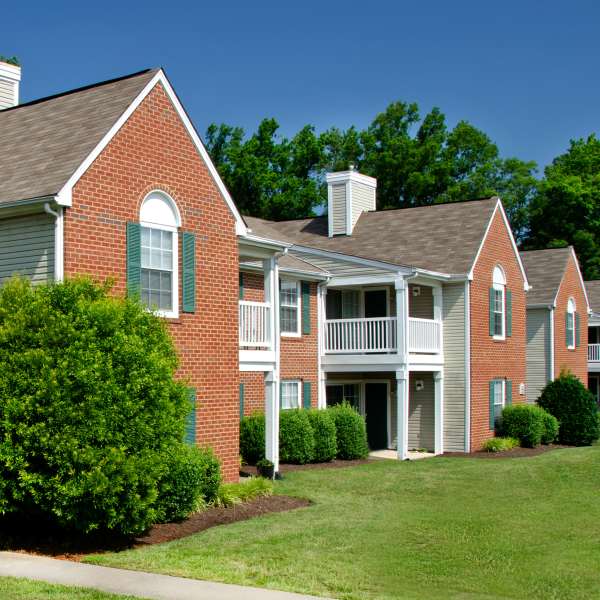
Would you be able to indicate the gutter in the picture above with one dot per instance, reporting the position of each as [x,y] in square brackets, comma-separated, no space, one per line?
[59,241]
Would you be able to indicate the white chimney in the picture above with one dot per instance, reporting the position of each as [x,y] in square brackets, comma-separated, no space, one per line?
[349,194]
[10,76]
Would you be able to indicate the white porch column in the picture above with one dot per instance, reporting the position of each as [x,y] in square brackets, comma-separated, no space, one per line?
[272,419]
[401,320]
[270,291]
[321,307]
[438,378]
[402,391]
[438,312]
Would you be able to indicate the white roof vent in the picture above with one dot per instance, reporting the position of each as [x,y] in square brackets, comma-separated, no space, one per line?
[349,194]
[10,76]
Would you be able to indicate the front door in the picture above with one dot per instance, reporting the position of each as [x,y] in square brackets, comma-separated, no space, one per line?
[376,415]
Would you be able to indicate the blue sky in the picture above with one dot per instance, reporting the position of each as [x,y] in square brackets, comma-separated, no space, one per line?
[525,72]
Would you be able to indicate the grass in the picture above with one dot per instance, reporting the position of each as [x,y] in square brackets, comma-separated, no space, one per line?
[12,588]
[437,528]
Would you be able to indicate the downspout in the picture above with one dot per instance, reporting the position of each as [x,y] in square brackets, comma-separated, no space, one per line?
[467,367]
[551,370]
[58,240]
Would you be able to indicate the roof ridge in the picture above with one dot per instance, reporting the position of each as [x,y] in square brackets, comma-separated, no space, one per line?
[79,89]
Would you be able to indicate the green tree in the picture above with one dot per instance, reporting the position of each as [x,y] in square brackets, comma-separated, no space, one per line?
[566,209]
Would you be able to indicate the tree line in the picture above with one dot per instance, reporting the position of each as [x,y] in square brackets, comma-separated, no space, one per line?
[417,161]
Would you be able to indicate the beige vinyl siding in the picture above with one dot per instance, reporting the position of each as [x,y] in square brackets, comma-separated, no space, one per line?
[7,93]
[363,199]
[538,351]
[454,367]
[420,307]
[421,412]
[27,248]
[338,208]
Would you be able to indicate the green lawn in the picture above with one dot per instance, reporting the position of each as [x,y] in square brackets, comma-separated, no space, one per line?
[12,588]
[437,528]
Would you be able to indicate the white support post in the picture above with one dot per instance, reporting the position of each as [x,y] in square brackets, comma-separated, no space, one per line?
[272,419]
[321,298]
[402,320]
[438,378]
[402,391]
[438,300]
[270,291]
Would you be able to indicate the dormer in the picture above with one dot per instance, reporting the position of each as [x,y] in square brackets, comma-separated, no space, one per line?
[349,194]
[10,76]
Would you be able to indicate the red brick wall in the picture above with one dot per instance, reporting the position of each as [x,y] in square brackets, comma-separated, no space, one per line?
[573,360]
[153,151]
[299,355]
[492,359]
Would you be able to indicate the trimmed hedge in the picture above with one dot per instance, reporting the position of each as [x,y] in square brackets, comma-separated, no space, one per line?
[323,428]
[524,422]
[500,444]
[89,407]
[551,428]
[575,408]
[351,432]
[296,437]
[252,438]
[192,480]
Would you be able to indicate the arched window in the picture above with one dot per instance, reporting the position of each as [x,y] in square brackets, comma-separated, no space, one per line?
[498,304]
[159,220]
[570,324]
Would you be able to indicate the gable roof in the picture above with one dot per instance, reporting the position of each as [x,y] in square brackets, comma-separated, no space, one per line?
[545,271]
[593,292]
[43,142]
[443,238]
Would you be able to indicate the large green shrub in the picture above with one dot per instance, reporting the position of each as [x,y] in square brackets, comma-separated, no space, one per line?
[551,428]
[296,437]
[325,436]
[575,408]
[524,422]
[88,406]
[252,438]
[192,480]
[351,432]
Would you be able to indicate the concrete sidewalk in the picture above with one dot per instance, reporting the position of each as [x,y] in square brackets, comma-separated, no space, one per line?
[132,583]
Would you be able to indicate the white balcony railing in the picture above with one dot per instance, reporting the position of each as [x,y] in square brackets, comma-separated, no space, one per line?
[378,335]
[594,352]
[254,324]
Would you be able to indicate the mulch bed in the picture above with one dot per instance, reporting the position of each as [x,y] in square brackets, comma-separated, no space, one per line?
[514,453]
[38,538]
[250,471]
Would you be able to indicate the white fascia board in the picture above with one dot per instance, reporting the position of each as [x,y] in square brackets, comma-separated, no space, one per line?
[538,306]
[260,242]
[65,198]
[297,273]
[499,206]
[7,206]
[343,176]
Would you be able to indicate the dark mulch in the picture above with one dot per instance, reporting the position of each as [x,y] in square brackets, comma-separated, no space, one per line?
[250,470]
[41,538]
[514,453]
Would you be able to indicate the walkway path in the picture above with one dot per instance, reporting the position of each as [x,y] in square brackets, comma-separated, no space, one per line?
[132,583]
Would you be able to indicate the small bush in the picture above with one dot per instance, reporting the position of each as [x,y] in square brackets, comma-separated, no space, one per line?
[500,444]
[524,422]
[325,436]
[351,432]
[296,437]
[192,480]
[551,428]
[575,408]
[252,438]
[235,493]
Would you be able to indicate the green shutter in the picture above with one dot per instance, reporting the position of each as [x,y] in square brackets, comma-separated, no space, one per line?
[305,307]
[508,313]
[306,394]
[567,329]
[134,259]
[577,331]
[280,395]
[492,420]
[241,286]
[188,260]
[491,311]
[241,400]
[508,390]
[190,425]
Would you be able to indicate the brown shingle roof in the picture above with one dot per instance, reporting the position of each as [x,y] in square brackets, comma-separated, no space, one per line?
[593,292]
[442,237]
[545,270]
[43,142]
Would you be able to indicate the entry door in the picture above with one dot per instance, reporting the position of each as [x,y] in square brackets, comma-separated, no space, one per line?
[376,410]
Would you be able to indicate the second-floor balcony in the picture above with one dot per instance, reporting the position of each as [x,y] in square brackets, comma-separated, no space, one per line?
[255,332]
[594,353]
[378,335]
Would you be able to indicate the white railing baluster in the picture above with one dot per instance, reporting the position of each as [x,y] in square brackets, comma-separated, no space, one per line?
[254,324]
[594,352]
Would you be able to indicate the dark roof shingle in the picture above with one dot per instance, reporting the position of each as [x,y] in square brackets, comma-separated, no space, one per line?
[545,270]
[43,142]
[442,237]
[593,293]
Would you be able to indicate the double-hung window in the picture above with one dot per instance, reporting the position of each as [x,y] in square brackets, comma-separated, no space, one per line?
[498,308]
[499,396]
[291,394]
[157,269]
[570,324]
[289,307]
[343,392]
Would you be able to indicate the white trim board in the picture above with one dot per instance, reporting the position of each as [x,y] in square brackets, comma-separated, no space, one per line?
[65,195]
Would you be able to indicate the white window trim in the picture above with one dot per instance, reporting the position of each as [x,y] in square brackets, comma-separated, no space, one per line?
[500,287]
[298,384]
[174,313]
[298,332]
[571,310]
